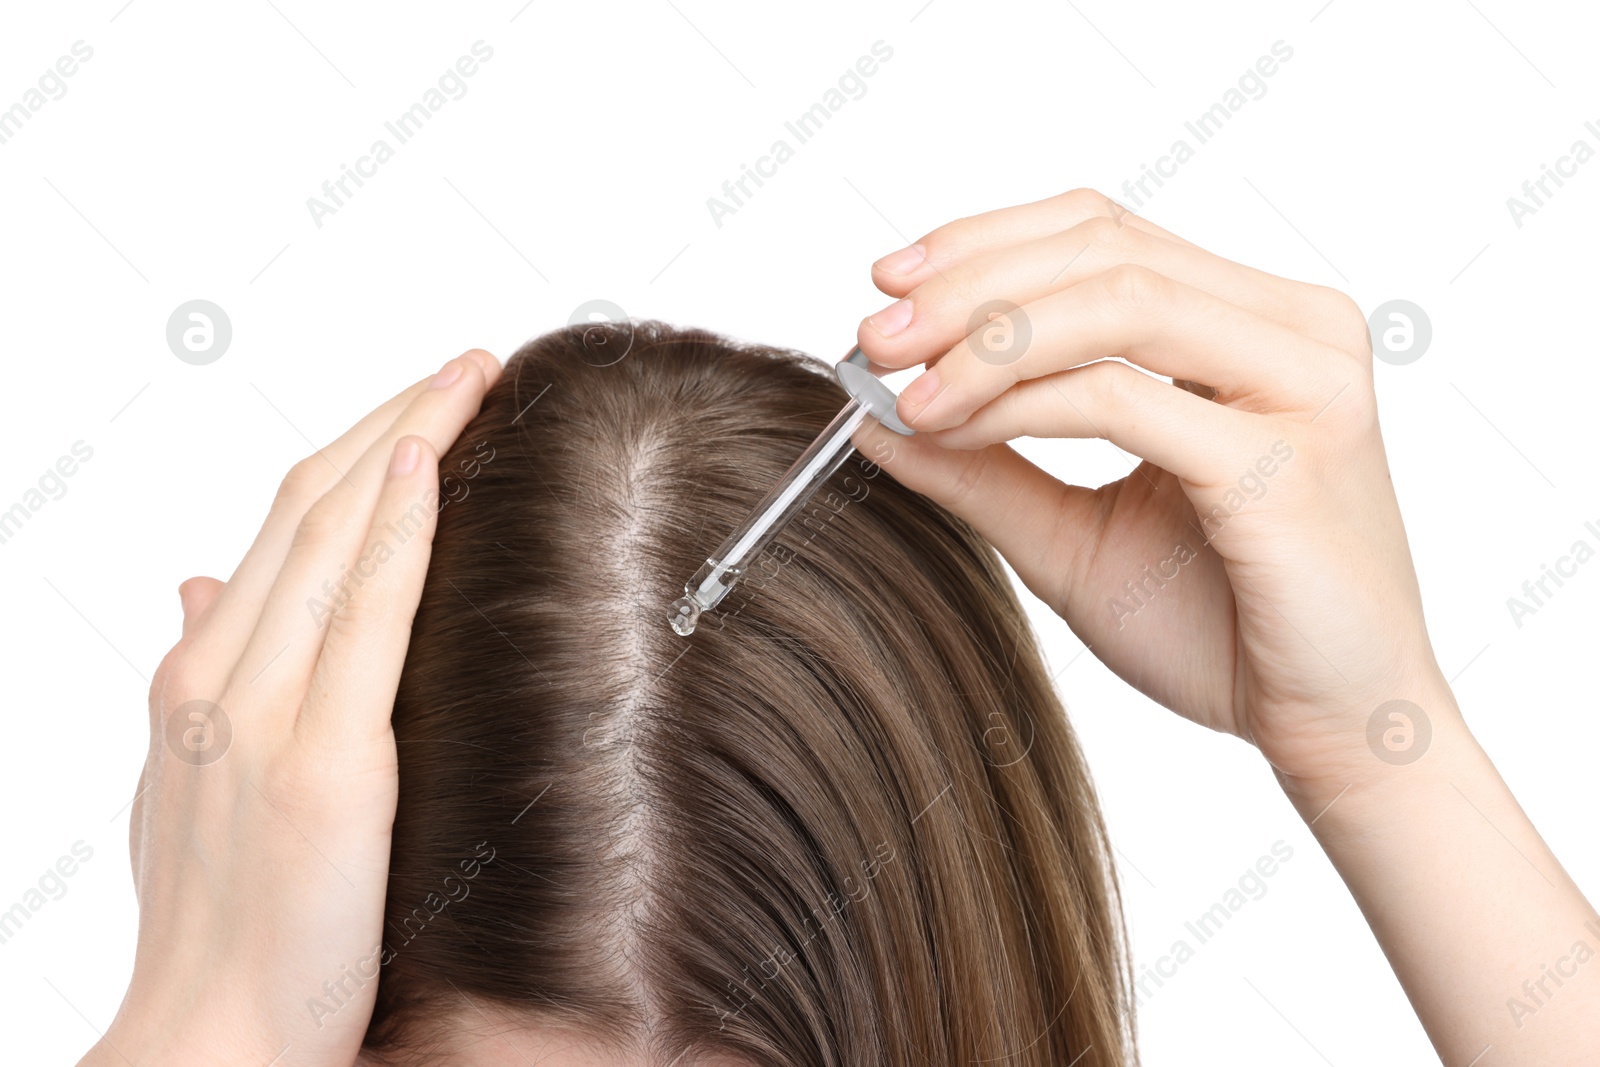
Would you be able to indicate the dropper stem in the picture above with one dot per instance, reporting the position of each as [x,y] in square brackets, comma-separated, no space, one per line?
[751,538]
[814,467]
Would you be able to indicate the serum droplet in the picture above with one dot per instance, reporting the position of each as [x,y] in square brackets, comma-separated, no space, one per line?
[684,614]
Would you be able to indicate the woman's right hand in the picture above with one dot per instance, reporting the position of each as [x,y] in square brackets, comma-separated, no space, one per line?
[1252,573]
[260,832]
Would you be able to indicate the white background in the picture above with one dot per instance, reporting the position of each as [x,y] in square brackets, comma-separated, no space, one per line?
[577,166]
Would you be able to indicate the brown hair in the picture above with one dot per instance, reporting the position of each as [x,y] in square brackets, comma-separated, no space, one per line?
[846,822]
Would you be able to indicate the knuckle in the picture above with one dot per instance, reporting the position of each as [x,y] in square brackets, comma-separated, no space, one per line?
[188,672]
[370,594]
[950,241]
[1346,321]
[1112,241]
[968,278]
[1132,287]
[301,486]
[179,677]
[967,235]
[1102,230]
[1107,384]
[1086,202]
[322,525]
[935,243]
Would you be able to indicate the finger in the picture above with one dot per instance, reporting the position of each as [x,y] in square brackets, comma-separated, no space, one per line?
[197,595]
[355,679]
[1176,430]
[316,578]
[1129,311]
[224,633]
[1037,522]
[939,311]
[950,244]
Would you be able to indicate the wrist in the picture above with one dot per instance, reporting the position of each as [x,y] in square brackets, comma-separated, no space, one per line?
[1403,755]
[121,1049]
[113,1050]
[176,1035]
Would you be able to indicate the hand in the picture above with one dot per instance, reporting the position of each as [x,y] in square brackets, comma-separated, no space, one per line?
[1252,572]
[260,836]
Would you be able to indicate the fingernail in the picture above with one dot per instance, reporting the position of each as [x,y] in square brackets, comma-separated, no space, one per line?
[892,319]
[447,374]
[904,261]
[923,388]
[405,457]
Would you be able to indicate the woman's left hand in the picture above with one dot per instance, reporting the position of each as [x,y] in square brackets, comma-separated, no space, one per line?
[260,830]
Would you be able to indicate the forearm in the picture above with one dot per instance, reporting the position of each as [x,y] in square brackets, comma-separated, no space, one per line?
[1492,941]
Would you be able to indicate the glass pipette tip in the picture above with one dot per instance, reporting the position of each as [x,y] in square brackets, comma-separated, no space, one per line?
[869,398]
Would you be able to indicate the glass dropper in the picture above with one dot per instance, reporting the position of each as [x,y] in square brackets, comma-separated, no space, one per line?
[869,398]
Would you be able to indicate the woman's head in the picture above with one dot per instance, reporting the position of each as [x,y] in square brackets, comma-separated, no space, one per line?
[844,823]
